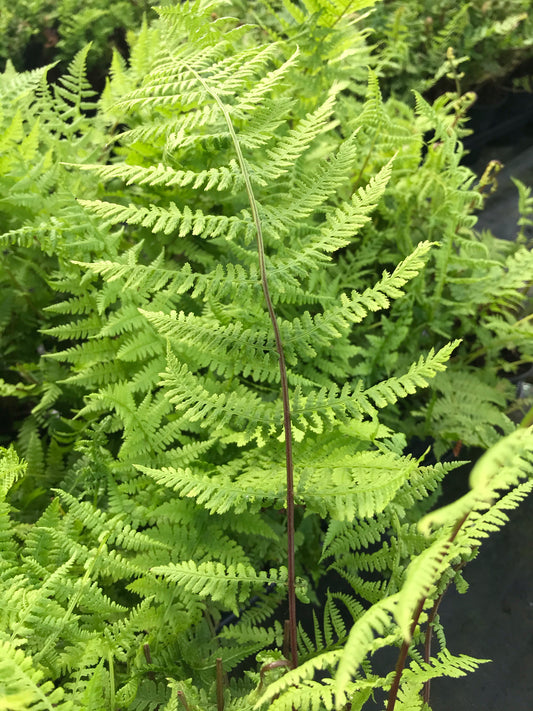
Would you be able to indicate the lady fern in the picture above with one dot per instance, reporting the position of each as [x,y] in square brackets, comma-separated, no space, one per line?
[157,424]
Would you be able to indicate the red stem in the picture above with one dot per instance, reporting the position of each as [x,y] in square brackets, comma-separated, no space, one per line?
[287,428]
[181,697]
[404,649]
[220,685]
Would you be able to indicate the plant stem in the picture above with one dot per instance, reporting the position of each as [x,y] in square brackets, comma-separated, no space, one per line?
[148,657]
[181,697]
[367,158]
[342,13]
[220,685]
[287,428]
[268,667]
[112,691]
[404,649]
[427,644]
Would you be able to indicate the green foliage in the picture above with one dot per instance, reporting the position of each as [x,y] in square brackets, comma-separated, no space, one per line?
[36,32]
[142,523]
[488,39]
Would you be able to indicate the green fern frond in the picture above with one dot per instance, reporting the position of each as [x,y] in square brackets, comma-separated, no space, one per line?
[229,585]
[230,345]
[525,209]
[354,307]
[479,525]
[218,493]
[14,85]
[453,29]
[342,224]
[453,411]
[11,470]
[371,632]
[294,677]
[169,220]
[308,696]
[502,467]
[23,686]
[73,89]
[444,664]
[422,576]
[287,151]
[206,402]
[113,529]
[344,536]
[361,485]
[418,376]
[331,11]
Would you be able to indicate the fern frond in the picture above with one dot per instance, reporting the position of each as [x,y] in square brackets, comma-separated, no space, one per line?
[331,11]
[422,576]
[168,220]
[294,677]
[286,152]
[372,631]
[453,412]
[344,536]
[223,178]
[15,84]
[229,345]
[114,529]
[218,493]
[11,469]
[417,674]
[229,585]
[356,306]
[73,90]
[418,376]
[23,686]
[206,402]
[502,467]
[479,525]
[362,485]
[525,209]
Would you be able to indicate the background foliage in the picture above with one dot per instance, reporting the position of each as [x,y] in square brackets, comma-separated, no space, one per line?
[489,38]
[37,32]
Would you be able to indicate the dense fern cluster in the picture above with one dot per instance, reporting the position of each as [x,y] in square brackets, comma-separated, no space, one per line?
[489,40]
[142,528]
[33,32]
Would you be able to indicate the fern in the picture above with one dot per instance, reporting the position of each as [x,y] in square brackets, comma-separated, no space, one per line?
[153,420]
[525,208]
[492,39]
[25,689]
[229,585]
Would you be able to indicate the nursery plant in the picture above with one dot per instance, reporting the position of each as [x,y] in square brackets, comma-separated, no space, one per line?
[490,39]
[34,32]
[239,283]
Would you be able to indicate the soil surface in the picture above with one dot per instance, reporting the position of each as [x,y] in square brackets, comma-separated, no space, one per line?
[494,619]
[515,152]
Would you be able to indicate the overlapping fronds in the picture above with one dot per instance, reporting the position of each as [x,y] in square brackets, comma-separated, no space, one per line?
[153,438]
[23,685]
